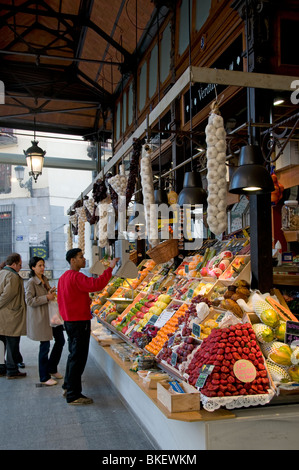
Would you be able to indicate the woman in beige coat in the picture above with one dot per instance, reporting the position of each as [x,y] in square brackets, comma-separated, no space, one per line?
[12,313]
[38,294]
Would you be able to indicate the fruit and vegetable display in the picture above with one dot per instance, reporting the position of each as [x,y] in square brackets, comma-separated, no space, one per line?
[282,359]
[225,349]
[224,339]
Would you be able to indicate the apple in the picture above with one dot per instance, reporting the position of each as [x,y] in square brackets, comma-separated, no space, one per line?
[204,271]
[223,265]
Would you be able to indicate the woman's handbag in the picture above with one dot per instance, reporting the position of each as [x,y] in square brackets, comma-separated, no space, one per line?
[54,315]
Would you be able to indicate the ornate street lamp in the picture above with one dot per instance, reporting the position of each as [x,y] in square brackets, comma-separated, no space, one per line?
[35,159]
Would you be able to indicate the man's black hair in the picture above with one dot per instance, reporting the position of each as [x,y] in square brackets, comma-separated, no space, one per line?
[72,254]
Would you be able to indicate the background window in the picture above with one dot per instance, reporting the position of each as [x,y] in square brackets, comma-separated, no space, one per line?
[142,86]
[202,12]
[153,71]
[165,53]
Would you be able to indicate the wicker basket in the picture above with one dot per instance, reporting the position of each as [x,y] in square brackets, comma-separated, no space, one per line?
[134,256]
[164,251]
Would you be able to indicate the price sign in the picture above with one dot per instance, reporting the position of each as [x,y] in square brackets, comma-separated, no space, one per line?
[174,358]
[292,331]
[130,327]
[196,330]
[152,320]
[220,317]
[204,372]
[164,317]
[244,370]
[190,293]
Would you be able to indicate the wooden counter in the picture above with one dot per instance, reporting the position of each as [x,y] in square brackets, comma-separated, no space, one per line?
[190,416]
[253,428]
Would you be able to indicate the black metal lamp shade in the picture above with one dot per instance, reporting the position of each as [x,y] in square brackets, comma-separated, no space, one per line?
[192,192]
[160,196]
[251,177]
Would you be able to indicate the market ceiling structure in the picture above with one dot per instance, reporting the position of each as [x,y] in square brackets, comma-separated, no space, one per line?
[62,61]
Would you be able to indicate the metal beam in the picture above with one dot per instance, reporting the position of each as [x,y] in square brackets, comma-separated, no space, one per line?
[51,162]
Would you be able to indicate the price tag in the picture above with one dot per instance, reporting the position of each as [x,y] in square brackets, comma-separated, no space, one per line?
[196,330]
[190,293]
[174,358]
[170,290]
[204,372]
[171,341]
[152,320]
[130,327]
[220,317]
[186,267]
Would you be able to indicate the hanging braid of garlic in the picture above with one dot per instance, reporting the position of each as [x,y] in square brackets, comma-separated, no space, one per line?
[81,227]
[119,185]
[74,222]
[216,175]
[147,185]
[103,207]
[69,242]
[89,206]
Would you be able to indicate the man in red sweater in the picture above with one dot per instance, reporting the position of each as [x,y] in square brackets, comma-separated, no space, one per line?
[74,307]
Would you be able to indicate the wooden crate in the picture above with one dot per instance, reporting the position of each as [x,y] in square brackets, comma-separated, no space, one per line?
[176,402]
[245,274]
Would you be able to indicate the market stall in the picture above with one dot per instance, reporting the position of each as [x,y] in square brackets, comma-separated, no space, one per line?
[195,347]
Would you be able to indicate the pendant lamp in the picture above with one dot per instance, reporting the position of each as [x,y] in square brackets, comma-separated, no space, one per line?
[251,177]
[35,159]
[160,196]
[192,192]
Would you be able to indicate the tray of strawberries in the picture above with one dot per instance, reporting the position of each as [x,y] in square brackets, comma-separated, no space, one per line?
[229,369]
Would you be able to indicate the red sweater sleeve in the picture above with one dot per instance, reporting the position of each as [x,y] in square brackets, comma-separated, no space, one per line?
[93,284]
[73,293]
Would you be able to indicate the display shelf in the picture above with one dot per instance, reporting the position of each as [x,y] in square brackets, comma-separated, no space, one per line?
[284,279]
[118,333]
[189,416]
[240,429]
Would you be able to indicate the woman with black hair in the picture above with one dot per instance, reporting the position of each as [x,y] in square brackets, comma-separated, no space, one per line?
[38,295]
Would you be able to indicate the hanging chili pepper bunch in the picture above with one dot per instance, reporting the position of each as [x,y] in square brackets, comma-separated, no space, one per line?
[99,191]
[133,171]
[277,194]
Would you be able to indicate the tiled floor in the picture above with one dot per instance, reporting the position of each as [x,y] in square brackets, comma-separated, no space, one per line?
[38,418]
